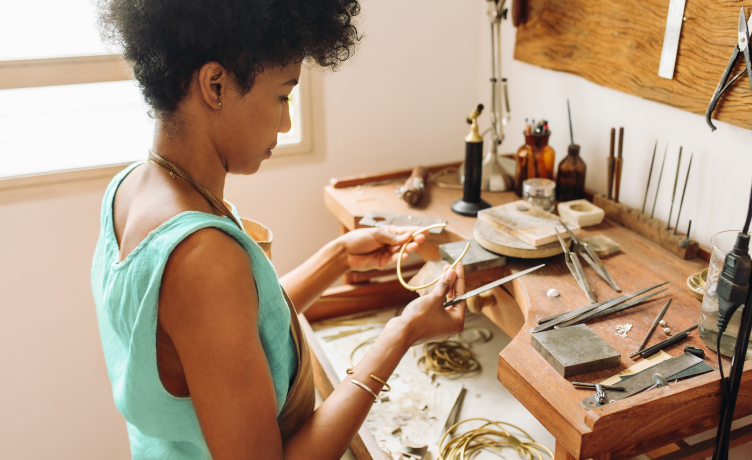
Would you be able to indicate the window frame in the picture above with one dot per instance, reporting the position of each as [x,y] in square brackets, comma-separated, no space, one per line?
[32,73]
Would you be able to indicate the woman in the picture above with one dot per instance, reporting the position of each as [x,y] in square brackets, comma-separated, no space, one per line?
[202,344]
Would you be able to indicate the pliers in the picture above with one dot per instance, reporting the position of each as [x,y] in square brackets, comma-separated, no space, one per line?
[742,47]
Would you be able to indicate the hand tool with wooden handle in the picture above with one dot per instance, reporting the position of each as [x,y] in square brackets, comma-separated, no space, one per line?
[617,168]
[610,176]
[414,187]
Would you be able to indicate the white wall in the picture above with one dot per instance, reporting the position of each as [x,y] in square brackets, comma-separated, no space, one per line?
[396,105]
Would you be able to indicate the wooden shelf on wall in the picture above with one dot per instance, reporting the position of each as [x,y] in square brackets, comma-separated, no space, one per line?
[617,44]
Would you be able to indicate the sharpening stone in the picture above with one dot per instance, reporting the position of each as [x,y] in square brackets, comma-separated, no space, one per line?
[575,350]
[475,260]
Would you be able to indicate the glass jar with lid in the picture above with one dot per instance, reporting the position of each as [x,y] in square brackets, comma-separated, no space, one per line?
[540,193]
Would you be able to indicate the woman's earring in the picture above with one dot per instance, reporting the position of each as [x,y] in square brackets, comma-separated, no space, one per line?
[219,104]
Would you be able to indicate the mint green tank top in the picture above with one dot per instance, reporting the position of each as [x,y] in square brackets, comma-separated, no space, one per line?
[162,426]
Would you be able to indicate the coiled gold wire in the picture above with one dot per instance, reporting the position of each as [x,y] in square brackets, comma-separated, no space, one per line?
[491,436]
[447,359]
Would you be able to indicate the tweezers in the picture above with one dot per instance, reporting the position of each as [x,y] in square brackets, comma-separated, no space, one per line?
[573,262]
[592,259]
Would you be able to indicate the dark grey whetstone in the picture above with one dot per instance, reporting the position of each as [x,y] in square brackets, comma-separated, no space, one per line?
[475,260]
[575,350]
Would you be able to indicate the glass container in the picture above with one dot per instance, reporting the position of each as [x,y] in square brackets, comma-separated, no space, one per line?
[570,178]
[534,159]
[722,243]
[540,193]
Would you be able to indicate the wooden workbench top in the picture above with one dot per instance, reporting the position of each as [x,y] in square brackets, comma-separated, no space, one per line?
[622,429]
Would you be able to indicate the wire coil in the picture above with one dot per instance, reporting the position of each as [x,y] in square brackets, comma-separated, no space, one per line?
[491,436]
[447,359]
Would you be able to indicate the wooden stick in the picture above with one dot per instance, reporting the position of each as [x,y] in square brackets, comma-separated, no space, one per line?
[619,160]
[610,176]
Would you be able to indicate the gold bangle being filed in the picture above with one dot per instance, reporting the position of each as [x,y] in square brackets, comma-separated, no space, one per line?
[388,387]
[402,251]
[365,387]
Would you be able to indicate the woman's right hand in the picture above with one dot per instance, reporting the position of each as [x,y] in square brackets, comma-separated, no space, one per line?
[426,319]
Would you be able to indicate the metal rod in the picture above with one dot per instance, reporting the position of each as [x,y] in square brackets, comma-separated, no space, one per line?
[685,241]
[588,316]
[648,352]
[673,195]
[658,188]
[592,385]
[657,319]
[579,310]
[681,203]
[630,304]
[647,189]
[592,310]
[571,133]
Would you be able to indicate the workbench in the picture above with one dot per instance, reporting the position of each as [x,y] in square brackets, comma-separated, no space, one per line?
[642,423]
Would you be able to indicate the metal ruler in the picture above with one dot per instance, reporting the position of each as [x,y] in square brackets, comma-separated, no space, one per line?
[671,38]
[644,379]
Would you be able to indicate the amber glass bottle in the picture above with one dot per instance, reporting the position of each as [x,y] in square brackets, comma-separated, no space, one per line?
[534,159]
[570,179]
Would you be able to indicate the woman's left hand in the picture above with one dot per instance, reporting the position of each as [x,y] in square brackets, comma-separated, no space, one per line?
[375,248]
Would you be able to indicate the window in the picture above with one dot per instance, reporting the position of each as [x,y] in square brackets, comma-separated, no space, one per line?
[66,104]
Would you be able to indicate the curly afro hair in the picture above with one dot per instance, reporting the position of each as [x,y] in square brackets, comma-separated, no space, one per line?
[166,41]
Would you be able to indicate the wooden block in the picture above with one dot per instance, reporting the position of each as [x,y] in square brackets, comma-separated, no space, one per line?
[526,222]
[575,350]
[476,259]
[581,212]
[495,240]
[602,245]
[648,227]
[594,39]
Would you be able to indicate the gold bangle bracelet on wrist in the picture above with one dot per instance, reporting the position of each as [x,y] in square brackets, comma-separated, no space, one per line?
[387,388]
[365,387]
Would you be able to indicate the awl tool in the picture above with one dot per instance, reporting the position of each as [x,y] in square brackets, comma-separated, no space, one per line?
[655,323]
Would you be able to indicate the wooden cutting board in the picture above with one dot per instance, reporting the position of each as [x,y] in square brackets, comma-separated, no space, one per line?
[526,222]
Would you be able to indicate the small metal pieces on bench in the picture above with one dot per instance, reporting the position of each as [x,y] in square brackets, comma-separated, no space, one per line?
[575,350]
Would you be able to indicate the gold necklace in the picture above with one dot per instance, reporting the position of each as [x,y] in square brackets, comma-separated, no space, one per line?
[177,171]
